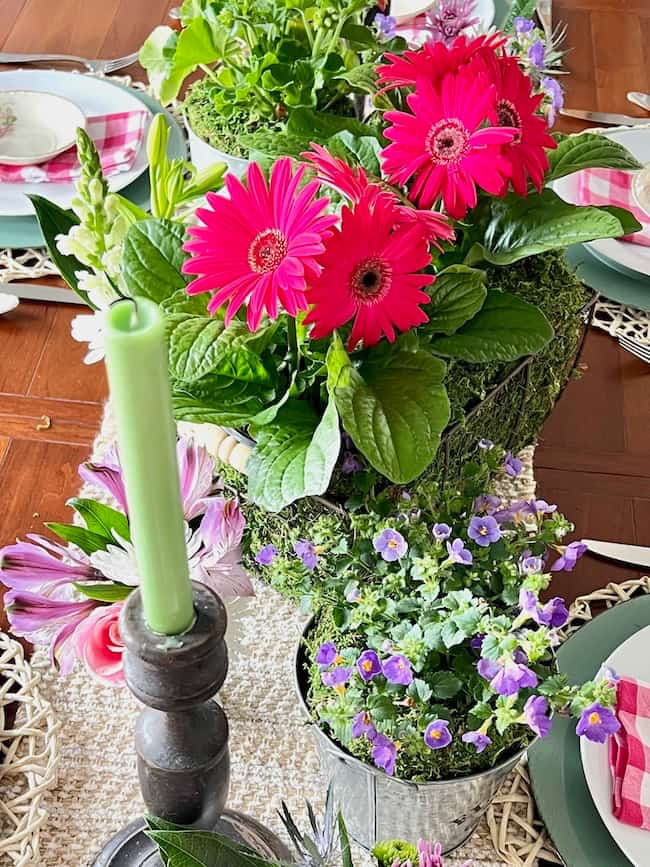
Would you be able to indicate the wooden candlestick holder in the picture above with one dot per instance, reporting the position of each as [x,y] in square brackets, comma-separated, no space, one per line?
[181,736]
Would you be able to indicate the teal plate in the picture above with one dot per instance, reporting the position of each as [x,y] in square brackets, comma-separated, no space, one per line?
[556,773]
[608,282]
[24,231]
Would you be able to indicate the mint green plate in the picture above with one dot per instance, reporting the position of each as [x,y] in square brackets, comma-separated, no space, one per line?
[16,232]
[609,282]
[556,773]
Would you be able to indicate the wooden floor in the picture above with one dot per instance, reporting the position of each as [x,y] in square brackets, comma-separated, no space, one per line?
[594,455]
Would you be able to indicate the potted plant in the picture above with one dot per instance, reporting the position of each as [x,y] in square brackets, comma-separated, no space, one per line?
[273,72]
[428,668]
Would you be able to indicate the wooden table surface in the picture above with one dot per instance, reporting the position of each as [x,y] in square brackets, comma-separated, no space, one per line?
[593,458]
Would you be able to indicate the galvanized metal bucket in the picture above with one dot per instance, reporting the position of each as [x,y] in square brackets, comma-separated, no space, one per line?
[377,807]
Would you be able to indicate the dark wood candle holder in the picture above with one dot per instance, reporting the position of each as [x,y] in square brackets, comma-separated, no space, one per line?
[181,736]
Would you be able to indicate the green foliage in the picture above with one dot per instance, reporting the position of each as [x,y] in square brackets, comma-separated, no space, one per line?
[585,151]
[395,850]
[53,221]
[457,295]
[101,519]
[152,259]
[105,591]
[88,541]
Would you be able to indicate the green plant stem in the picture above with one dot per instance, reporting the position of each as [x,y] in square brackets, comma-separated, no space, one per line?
[308,31]
[209,72]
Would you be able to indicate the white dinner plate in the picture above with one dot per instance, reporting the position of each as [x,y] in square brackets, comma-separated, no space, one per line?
[40,126]
[631,659]
[617,254]
[94,97]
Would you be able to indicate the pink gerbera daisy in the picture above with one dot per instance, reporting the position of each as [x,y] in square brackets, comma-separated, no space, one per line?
[260,245]
[370,273]
[443,144]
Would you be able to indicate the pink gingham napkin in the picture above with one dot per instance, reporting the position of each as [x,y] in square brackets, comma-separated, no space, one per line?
[629,755]
[612,187]
[118,138]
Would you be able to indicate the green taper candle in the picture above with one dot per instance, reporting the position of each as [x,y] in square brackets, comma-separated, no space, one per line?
[136,361]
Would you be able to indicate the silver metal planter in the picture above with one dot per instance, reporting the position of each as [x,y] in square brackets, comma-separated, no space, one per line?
[377,807]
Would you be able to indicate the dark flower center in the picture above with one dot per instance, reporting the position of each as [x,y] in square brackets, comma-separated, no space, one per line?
[508,115]
[267,251]
[447,141]
[371,280]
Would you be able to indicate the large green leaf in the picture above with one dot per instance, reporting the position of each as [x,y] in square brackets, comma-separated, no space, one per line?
[517,227]
[196,45]
[101,519]
[86,540]
[588,150]
[357,150]
[54,221]
[203,849]
[320,126]
[294,456]
[394,406]
[505,328]
[456,296]
[153,256]
[218,400]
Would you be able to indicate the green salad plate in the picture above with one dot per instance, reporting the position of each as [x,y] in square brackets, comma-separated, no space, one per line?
[610,283]
[559,785]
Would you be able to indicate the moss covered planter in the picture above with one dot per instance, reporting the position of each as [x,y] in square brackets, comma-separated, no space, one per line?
[377,807]
[203,155]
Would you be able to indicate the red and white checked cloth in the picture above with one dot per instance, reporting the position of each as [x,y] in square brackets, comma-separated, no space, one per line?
[118,138]
[629,755]
[612,187]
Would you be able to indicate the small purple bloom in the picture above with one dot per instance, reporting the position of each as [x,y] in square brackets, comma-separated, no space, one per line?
[597,723]
[608,674]
[486,503]
[266,555]
[437,734]
[441,532]
[523,25]
[369,665]
[528,602]
[108,475]
[541,507]
[307,553]
[554,613]
[486,445]
[536,54]
[362,725]
[477,642]
[478,739]
[337,677]
[390,544]
[569,556]
[536,715]
[384,753]
[515,513]
[512,465]
[397,669]
[458,553]
[484,530]
[531,565]
[326,655]
[386,25]
[555,93]
[350,464]
[507,678]
[353,595]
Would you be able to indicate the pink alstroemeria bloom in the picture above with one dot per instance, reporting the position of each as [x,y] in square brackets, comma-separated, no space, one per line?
[44,620]
[107,473]
[221,532]
[28,566]
[99,645]
[196,471]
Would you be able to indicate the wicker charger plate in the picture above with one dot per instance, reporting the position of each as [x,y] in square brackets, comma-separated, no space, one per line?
[28,756]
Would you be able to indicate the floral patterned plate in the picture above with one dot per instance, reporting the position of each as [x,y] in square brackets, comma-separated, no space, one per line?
[36,126]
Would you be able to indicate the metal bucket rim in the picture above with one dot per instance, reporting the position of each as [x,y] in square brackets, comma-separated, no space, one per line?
[505,765]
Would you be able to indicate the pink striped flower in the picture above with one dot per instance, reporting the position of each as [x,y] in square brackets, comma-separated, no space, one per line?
[41,565]
[99,645]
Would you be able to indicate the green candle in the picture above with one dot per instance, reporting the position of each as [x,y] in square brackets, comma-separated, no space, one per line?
[136,360]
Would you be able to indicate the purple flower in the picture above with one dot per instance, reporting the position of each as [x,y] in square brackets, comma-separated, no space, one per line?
[597,723]
[530,565]
[386,25]
[477,642]
[219,562]
[515,513]
[512,465]
[369,665]
[458,553]
[507,678]
[478,739]
[569,556]
[449,18]
[536,715]
[107,473]
[541,507]
[486,445]
[536,54]
[608,674]
[554,613]
[337,677]
[484,530]
[196,473]
[384,753]
[350,464]
[437,734]
[528,602]
[523,25]
[441,532]
[486,503]
[353,595]
[307,553]
[362,725]
[390,544]
[326,654]
[555,93]
[27,566]
[266,555]
[397,669]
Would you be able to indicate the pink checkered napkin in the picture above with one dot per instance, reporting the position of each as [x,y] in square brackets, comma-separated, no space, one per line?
[612,187]
[629,755]
[118,138]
